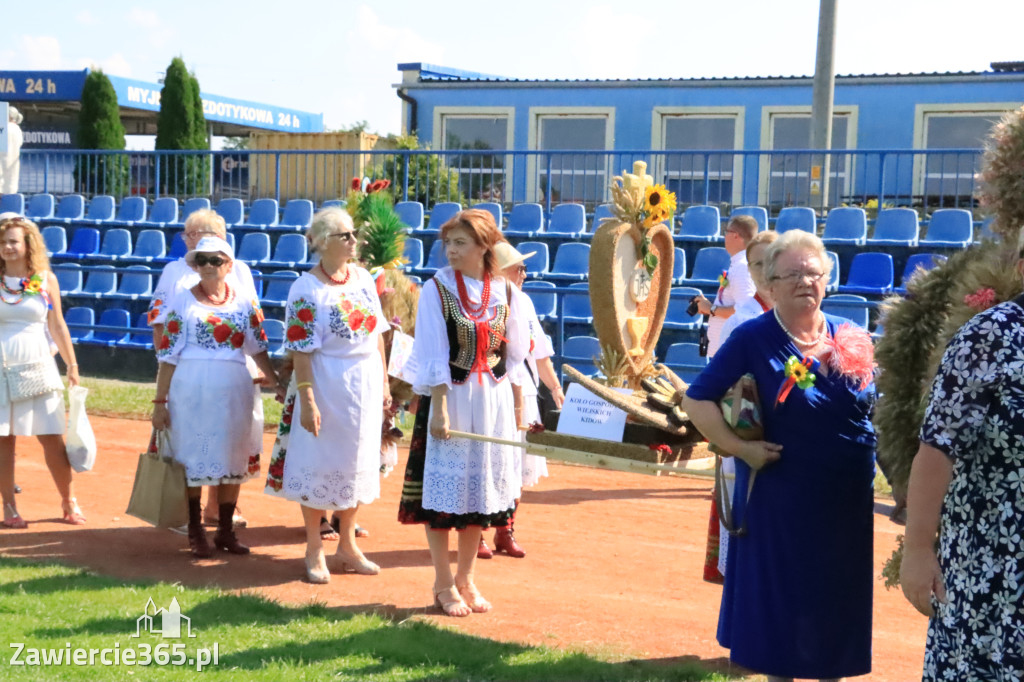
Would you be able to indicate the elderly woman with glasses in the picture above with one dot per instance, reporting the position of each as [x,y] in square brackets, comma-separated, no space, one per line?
[179,276]
[339,388]
[798,582]
[204,391]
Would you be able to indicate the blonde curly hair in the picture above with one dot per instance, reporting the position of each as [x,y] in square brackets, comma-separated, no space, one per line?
[35,248]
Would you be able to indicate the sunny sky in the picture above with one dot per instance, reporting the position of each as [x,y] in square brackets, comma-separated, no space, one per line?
[339,57]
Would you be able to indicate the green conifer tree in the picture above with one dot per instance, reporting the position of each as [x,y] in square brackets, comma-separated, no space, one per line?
[99,127]
[176,129]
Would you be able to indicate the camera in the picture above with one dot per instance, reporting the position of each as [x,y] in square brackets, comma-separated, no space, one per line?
[692,309]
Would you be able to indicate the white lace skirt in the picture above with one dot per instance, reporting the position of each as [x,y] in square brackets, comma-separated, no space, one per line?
[462,476]
[213,422]
[533,467]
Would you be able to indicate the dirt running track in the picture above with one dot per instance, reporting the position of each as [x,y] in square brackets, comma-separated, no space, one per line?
[613,566]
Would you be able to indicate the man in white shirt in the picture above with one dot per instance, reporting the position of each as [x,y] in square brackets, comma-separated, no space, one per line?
[10,163]
[737,286]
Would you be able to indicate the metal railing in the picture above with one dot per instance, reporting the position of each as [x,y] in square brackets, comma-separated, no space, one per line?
[924,179]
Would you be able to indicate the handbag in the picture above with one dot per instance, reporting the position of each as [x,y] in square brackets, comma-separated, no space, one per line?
[81,441]
[29,379]
[741,408]
[160,492]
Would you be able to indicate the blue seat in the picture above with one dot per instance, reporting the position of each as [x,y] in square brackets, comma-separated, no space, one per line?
[274,329]
[85,243]
[572,262]
[40,207]
[415,279]
[984,230]
[190,206]
[55,238]
[231,210]
[136,283]
[924,261]
[852,307]
[701,224]
[150,246]
[436,259]
[100,282]
[178,248]
[758,213]
[111,317]
[13,203]
[334,203]
[601,212]
[230,239]
[833,275]
[567,220]
[255,248]
[262,214]
[141,334]
[870,274]
[580,351]
[131,212]
[80,321]
[413,253]
[576,307]
[257,280]
[101,210]
[845,225]
[442,213]
[686,359]
[69,278]
[537,264]
[278,284]
[163,213]
[679,266]
[117,243]
[525,220]
[410,213]
[676,317]
[289,251]
[492,208]
[796,218]
[298,215]
[70,208]
[710,262]
[545,301]
[949,228]
[895,227]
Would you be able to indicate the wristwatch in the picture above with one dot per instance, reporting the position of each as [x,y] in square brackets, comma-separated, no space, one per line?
[713,309]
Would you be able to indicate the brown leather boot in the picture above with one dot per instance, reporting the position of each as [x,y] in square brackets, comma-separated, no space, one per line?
[483,551]
[225,538]
[197,541]
[505,541]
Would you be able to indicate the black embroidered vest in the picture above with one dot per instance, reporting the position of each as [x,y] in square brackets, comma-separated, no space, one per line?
[462,339]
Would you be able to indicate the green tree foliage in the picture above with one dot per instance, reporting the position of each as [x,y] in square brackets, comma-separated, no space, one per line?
[182,126]
[429,179]
[99,127]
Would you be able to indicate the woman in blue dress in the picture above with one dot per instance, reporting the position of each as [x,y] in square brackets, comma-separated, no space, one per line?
[798,583]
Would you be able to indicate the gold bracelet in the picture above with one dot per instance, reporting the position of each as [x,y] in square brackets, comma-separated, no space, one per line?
[302,384]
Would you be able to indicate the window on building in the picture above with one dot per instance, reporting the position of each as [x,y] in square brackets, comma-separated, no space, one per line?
[696,177]
[580,178]
[790,181]
[949,178]
[482,176]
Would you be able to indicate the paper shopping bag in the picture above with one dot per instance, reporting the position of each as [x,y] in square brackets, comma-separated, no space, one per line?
[160,494]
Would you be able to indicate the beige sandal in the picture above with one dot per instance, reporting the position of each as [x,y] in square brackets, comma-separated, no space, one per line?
[449,601]
[474,600]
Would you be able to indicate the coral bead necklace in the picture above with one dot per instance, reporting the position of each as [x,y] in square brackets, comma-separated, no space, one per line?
[343,280]
[479,312]
[215,301]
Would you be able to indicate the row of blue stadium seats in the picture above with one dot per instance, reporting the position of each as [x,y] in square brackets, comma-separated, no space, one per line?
[683,358]
[150,246]
[71,210]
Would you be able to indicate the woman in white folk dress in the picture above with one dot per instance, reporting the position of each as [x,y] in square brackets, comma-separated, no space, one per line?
[204,390]
[29,306]
[334,330]
[538,368]
[470,339]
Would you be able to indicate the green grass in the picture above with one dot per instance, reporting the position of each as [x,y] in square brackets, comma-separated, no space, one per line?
[46,606]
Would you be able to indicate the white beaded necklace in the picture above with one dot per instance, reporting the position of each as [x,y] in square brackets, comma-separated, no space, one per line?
[800,342]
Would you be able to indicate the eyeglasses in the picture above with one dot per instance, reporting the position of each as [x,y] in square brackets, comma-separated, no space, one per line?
[800,277]
[347,236]
[215,261]
[521,269]
[755,264]
[200,233]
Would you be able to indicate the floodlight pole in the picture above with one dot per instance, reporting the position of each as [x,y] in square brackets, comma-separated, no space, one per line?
[821,100]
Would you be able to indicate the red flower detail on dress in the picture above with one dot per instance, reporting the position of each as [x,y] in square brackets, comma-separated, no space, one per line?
[346,305]
[296,332]
[254,464]
[237,339]
[982,299]
[173,327]
[213,319]
[221,333]
[370,324]
[165,342]
[154,311]
[355,320]
[304,314]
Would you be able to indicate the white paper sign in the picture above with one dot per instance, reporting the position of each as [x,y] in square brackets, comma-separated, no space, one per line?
[402,363]
[586,415]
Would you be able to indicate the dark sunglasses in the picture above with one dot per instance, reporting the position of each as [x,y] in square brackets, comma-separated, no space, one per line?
[215,261]
[347,236]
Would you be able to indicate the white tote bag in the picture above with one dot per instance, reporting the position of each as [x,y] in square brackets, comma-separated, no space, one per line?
[81,442]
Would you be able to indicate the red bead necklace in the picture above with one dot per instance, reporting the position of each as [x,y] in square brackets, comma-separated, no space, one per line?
[214,301]
[474,313]
[343,280]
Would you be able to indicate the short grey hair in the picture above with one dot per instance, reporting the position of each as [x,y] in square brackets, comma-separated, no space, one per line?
[13,115]
[795,240]
[209,219]
[324,222]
